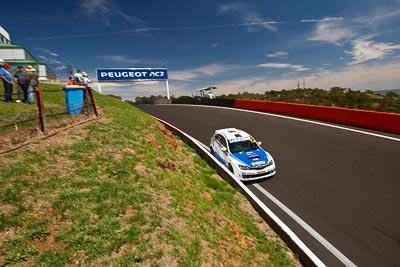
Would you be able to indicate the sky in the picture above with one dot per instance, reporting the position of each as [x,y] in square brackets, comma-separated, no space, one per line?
[237,46]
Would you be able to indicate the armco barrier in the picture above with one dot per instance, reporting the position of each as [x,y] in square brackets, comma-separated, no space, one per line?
[306,256]
[381,121]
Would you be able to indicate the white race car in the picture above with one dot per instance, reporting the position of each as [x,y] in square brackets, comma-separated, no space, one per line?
[241,154]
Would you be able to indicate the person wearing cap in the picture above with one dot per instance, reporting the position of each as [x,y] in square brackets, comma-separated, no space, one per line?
[86,79]
[32,81]
[20,80]
[7,81]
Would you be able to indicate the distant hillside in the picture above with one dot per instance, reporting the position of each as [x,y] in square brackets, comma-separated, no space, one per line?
[383,92]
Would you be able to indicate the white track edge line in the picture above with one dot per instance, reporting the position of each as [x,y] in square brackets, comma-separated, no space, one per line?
[299,119]
[269,212]
[303,224]
[306,227]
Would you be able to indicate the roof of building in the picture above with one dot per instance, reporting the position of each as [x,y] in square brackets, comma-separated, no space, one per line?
[4,45]
[29,60]
[207,88]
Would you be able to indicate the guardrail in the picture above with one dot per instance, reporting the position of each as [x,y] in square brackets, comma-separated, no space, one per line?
[306,256]
[374,120]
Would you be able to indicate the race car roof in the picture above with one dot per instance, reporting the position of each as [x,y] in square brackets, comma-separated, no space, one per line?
[233,133]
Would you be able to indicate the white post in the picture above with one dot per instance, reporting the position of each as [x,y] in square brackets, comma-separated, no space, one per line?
[99,85]
[166,83]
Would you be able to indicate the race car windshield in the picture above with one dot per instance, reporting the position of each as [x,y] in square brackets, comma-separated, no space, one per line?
[243,146]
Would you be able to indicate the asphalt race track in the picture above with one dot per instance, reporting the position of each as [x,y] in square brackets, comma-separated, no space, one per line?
[345,185]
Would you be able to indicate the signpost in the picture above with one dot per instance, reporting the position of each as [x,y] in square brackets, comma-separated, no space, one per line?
[132,75]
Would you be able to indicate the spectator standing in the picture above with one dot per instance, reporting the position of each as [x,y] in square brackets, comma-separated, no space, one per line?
[86,79]
[7,81]
[78,78]
[20,80]
[32,81]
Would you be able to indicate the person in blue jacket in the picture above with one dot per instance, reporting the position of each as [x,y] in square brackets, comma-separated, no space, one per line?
[7,81]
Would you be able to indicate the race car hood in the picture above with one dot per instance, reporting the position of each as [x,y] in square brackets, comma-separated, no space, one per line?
[252,158]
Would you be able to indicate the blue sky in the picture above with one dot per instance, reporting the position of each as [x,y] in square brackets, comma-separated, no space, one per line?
[236,45]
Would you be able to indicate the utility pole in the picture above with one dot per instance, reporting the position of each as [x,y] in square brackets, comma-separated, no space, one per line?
[304,83]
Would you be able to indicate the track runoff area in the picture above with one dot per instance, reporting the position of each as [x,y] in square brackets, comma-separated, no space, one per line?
[336,187]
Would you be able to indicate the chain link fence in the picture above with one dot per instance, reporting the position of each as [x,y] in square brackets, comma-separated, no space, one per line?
[50,113]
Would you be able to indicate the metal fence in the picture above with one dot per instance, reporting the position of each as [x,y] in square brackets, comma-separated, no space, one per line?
[50,114]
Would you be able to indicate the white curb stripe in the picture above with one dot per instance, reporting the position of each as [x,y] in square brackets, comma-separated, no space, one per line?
[307,227]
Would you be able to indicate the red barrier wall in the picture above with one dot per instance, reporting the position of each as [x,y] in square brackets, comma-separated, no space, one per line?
[381,121]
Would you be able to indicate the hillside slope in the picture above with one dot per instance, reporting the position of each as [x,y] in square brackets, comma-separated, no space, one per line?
[123,191]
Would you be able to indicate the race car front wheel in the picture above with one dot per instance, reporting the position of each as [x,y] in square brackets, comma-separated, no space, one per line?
[230,168]
[212,151]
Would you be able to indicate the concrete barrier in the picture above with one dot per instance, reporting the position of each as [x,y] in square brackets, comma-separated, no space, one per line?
[380,121]
[221,102]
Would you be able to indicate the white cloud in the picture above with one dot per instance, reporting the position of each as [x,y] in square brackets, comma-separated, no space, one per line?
[278,54]
[378,15]
[358,77]
[283,66]
[47,51]
[249,16]
[203,71]
[61,67]
[54,61]
[105,10]
[331,31]
[365,50]
[121,59]
[50,60]
[321,20]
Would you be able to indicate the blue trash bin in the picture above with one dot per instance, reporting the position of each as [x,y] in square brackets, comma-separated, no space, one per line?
[74,98]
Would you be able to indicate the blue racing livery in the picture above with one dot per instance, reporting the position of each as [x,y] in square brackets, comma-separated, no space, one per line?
[242,154]
[253,158]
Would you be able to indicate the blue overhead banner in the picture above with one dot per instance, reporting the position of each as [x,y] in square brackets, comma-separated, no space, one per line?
[131,74]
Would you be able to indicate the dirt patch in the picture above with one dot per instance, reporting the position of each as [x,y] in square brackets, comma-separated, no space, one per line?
[170,137]
[42,143]
[49,242]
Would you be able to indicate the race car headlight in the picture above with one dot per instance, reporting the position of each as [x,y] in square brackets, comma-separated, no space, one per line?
[242,167]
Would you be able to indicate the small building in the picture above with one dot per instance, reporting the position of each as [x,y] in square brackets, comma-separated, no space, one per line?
[209,93]
[19,56]
[4,36]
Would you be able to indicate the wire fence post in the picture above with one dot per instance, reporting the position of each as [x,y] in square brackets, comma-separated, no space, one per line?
[90,95]
[40,106]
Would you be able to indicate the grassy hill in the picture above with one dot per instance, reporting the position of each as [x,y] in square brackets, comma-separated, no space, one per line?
[383,92]
[123,191]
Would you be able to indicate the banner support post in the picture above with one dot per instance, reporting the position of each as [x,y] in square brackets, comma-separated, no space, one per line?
[166,83]
[99,86]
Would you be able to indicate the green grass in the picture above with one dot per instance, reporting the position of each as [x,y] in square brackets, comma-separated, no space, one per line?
[124,192]
[52,99]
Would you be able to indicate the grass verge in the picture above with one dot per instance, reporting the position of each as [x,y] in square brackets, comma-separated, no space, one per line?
[123,191]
